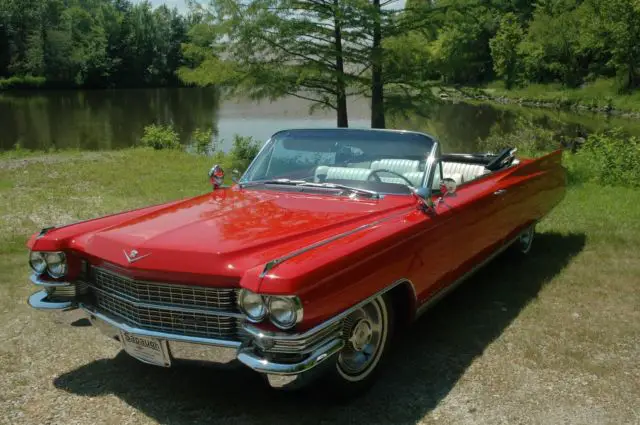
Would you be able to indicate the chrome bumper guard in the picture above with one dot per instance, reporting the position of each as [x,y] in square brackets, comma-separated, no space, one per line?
[314,346]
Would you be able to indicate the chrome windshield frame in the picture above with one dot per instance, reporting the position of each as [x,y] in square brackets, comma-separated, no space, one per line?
[430,160]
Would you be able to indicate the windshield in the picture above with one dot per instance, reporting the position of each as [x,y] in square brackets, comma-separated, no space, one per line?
[381,161]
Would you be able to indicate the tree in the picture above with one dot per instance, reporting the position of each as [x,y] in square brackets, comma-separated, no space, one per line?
[504,49]
[273,48]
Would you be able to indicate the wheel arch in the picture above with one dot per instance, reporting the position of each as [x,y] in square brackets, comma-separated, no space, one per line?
[404,300]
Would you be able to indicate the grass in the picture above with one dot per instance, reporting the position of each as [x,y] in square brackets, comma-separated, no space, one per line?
[552,338]
[600,95]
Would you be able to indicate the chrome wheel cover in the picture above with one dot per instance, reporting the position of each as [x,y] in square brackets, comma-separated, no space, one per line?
[526,239]
[366,336]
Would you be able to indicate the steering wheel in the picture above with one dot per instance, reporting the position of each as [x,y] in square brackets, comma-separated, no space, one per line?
[374,174]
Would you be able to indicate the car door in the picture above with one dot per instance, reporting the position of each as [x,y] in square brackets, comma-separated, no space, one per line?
[462,232]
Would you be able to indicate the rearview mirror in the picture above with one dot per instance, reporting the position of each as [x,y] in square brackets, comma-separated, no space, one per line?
[448,186]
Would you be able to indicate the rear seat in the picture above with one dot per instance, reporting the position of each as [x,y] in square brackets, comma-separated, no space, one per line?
[399,166]
[342,173]
[463,171]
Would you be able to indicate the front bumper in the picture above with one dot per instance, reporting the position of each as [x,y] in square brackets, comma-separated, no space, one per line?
[321,343]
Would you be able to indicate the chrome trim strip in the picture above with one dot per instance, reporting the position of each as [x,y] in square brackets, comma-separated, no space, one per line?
[273,263]
[259,333]
[166,307]
[115,273]
[36,280]
[157,334]
[39,301]
[259,364]
[444,291]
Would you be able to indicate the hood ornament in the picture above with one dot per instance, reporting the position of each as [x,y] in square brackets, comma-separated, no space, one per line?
[133,256]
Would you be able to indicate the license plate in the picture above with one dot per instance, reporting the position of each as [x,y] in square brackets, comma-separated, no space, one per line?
[149,350]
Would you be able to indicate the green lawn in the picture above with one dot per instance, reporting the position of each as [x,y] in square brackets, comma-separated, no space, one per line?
[601,94]
[552,338]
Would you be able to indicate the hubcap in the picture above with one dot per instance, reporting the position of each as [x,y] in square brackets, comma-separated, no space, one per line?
[361,335]
[366,330]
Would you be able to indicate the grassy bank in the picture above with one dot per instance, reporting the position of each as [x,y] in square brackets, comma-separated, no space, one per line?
[599,96]
[553,338]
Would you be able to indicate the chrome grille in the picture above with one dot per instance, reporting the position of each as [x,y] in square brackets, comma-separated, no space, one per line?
[170,321]
[176,309]
[162,293]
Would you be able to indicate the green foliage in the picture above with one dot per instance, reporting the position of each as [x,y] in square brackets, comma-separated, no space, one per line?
[611,158]
[504,49]
[243,151]
[94,43]
[160,137]
[25,82]
[606,158]
[202,141]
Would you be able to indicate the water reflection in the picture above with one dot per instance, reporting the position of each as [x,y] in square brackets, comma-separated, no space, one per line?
[112,119]
[100,119]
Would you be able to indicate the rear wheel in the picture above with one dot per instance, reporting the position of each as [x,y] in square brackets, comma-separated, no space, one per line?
[367,334]
[523,243]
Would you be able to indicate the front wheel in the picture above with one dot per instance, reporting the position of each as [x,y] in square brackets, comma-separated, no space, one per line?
[367,332]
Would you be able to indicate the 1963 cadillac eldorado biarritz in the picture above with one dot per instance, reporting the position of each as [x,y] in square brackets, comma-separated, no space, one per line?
[303,267]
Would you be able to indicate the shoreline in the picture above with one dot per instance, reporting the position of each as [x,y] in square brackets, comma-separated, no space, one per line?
[481,95]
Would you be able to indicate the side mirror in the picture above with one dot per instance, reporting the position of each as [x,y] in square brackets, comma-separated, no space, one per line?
[448,187]
[216,176]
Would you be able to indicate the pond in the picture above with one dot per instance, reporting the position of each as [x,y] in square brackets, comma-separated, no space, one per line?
[113,119]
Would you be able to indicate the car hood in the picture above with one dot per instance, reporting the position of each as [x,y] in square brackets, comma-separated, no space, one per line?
[230,230]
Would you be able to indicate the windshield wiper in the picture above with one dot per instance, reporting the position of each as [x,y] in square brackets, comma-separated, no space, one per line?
[370,193]
[275,181]
[304,183]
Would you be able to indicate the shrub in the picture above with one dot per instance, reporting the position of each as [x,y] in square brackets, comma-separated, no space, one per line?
[160,137]
[529,138]
[611,158]
[245,148]
[202,141]
[24,82]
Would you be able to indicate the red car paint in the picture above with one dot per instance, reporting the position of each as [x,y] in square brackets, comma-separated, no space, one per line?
[226,237]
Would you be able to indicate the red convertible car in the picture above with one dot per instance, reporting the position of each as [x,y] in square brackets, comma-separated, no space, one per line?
[303,267]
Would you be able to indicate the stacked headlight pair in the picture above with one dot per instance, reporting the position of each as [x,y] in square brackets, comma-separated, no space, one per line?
[284,311]
[54,263]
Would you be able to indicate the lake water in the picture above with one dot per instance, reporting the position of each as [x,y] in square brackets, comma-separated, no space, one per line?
[113,119]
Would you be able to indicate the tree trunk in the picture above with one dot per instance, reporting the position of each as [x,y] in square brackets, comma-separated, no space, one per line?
[377,86]
[341,94]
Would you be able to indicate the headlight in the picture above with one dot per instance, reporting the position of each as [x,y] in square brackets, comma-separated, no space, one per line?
[285,312]
[252,305]
[56,264]
[37,262]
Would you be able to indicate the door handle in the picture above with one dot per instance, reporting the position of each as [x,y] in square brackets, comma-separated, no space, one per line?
[500,192]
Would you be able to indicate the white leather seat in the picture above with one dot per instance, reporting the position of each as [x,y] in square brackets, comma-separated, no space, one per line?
[400,166]
[459,179]
[342,173]
[467,171]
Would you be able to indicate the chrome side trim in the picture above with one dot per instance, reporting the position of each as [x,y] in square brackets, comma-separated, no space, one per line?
[168,307]
[39,301]
[273,263]
[262,365]
[156,334]
[444,291]
[261,334]
[36,280]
